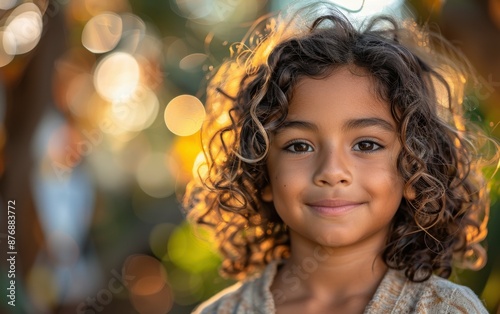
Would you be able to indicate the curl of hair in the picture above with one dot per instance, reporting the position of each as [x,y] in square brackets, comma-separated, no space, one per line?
[442,217]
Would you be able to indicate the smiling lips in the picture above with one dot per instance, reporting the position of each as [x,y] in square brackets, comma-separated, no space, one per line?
[333,207]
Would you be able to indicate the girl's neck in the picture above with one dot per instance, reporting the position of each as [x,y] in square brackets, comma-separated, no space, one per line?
[331,274]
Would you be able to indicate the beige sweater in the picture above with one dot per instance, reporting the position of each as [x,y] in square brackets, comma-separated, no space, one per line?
[396,294]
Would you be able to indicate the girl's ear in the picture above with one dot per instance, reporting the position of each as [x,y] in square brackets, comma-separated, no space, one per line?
[267,193]
[409,193]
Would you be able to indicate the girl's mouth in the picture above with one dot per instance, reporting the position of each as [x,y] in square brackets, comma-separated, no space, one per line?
[333,207]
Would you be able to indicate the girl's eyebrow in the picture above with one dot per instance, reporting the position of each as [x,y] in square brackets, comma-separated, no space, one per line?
[297,124]
[367,122]
[348,125]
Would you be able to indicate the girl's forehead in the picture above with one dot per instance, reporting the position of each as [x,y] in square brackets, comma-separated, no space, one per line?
[346,74]
[344,90]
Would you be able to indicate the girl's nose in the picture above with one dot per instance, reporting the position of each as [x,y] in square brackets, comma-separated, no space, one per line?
[332,169]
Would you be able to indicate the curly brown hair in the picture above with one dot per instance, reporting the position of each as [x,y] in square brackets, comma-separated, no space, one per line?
[443,215]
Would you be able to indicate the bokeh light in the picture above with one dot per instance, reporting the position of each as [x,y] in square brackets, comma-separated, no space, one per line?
[193,62]
[7,47]
[109,172]
[148,273]
[158,303]
[248,10]
[184,115]
[368,7]
[155,176]
[138,111]
[117,76]
[188,287]
[25,25]
[189,252]
[7,4]
[158,239]
[102,32]
[134,30]
[210,12]
[149,289]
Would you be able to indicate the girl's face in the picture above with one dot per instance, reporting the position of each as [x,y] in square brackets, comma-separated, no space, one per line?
[332,165]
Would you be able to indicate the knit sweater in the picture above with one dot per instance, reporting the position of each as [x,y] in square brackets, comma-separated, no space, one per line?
[395,294]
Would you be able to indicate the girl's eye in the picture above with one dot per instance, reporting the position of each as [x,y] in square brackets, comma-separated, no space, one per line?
[299,147]
[367,146]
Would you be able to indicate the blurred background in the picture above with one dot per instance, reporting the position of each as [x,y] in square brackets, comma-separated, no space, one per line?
[100,107]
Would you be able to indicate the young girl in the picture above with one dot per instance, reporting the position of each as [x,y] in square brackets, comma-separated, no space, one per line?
[341,178]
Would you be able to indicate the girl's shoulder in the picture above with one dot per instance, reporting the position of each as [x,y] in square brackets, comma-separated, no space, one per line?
[226,301]
[397,294]
[250,296]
